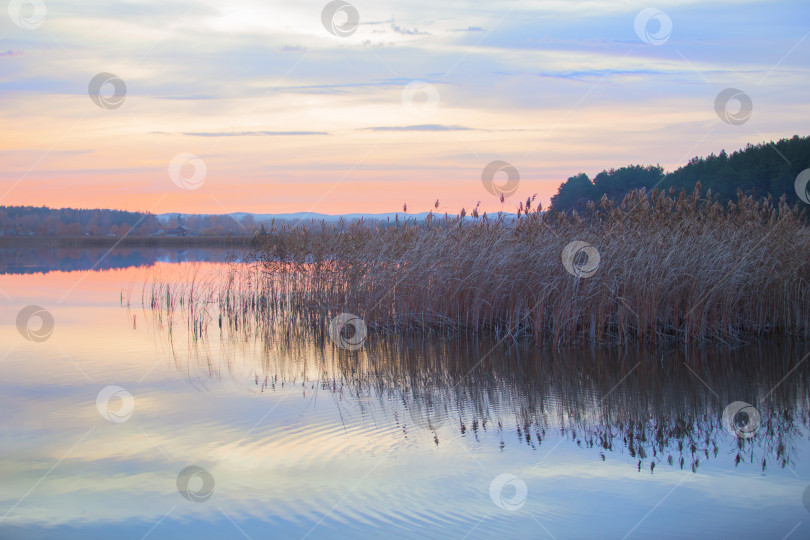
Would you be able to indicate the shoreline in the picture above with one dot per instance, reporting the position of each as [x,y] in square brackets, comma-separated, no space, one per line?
[125,242]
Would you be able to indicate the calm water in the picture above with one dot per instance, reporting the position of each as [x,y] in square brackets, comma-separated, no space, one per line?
[292,437]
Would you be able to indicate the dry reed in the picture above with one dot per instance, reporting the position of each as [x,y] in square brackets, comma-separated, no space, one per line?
[679,268]
[672,267]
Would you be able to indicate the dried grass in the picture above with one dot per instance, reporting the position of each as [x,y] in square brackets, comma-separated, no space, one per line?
[673,267]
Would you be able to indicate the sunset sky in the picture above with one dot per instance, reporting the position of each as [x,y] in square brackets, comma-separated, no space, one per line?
[286,116]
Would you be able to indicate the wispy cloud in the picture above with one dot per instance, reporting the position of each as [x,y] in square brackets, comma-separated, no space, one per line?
[420,127]
[337,88]
[468,29]
[251,133]
[407,31]
[186,98]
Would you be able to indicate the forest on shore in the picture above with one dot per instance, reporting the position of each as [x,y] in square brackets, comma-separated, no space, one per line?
[757,170]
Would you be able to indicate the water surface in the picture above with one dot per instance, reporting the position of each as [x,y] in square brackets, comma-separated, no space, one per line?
[297,438]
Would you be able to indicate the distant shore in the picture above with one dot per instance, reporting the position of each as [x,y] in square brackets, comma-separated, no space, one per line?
[17,241]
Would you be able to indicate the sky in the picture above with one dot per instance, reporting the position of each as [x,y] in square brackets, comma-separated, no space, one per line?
[250,106]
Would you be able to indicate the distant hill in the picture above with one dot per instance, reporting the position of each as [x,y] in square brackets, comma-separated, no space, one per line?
[302,217]
[762,170]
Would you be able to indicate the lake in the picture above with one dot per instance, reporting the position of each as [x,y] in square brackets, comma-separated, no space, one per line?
[120,421]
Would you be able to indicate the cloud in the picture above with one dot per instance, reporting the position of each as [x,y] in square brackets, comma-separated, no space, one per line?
[251,133]
[420,127]
[189,98]
[407,31]
[468,29]
[342,88]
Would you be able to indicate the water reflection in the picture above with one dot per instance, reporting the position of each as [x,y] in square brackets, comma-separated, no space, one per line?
[106,420]
[661,407]
[43,260]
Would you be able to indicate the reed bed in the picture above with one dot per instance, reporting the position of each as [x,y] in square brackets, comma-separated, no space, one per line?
[672,267]
[261,326]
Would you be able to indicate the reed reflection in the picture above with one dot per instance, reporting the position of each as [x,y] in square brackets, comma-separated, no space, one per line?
[661,407]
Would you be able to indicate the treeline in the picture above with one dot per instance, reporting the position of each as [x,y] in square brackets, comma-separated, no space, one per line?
[42,221]
[758,170]
[213,225]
